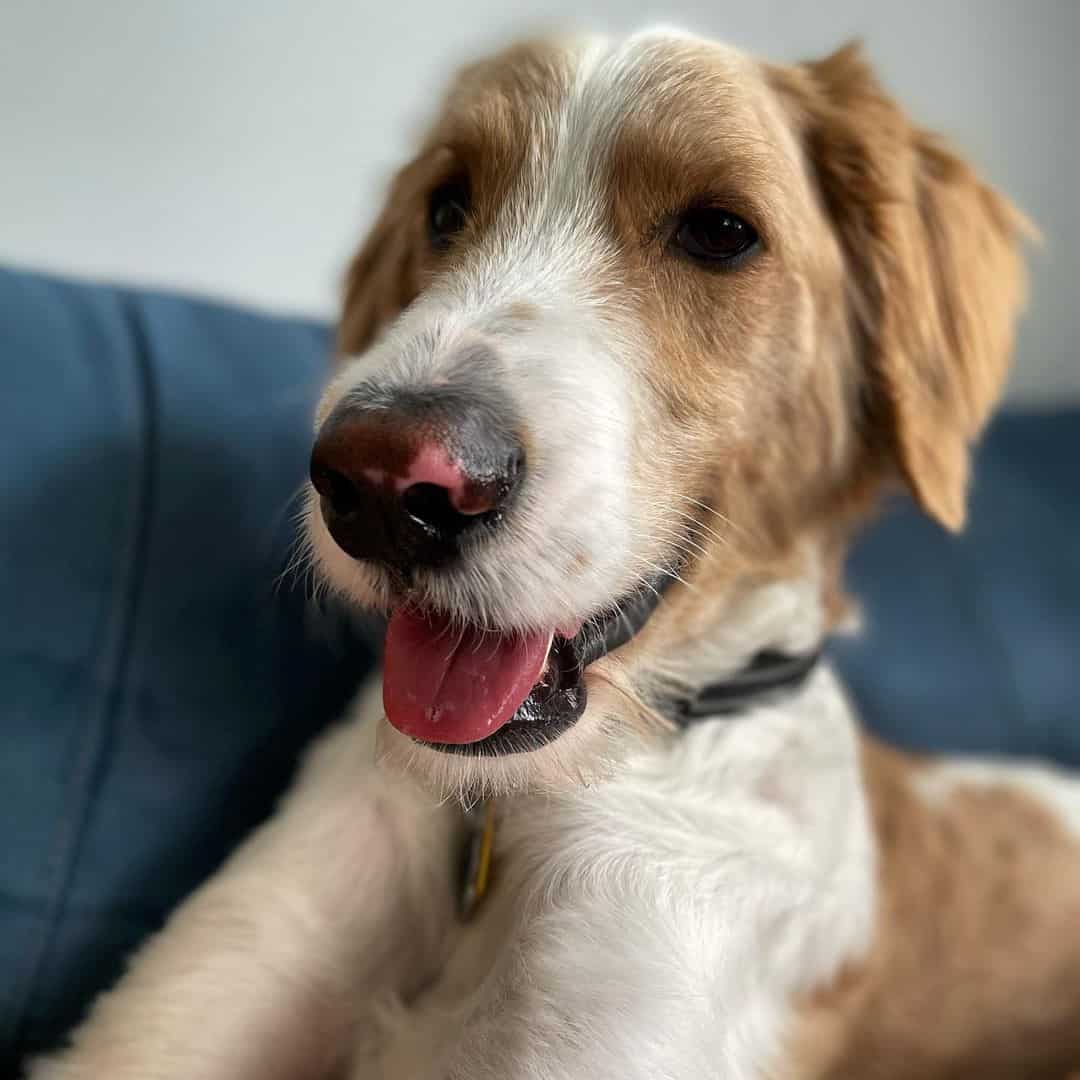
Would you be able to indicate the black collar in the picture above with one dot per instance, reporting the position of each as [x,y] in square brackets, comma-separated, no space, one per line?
[769,675]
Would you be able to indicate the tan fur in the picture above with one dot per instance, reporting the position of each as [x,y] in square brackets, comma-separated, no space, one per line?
[751,366]
[483,133]
[975,971]
[934,272]
[385,274]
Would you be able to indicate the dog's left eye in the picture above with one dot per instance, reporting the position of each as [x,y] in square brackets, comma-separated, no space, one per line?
[713,236]
[448,208]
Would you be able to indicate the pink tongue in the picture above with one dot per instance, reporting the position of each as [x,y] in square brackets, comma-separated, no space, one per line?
[442,685]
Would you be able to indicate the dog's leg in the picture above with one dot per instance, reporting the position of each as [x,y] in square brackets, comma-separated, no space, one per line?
[341,896]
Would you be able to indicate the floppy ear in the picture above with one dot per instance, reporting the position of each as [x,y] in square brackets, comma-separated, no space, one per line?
[934,271]
[384,275]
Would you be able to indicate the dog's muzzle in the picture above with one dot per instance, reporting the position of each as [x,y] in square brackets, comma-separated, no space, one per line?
[416,481]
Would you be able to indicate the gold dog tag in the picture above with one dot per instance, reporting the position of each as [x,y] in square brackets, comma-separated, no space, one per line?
[476,858]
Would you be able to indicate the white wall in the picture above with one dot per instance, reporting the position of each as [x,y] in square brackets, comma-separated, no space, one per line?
[237,147]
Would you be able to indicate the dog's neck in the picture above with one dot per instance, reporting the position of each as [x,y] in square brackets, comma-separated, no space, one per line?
[785,615]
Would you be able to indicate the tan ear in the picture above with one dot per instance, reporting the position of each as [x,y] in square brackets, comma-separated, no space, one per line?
[384,275]
[934,268]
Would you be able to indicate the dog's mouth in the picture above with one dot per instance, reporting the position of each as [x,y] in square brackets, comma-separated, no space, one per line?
[462,689]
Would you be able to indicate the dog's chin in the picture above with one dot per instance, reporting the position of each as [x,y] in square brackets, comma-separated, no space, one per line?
[613,723]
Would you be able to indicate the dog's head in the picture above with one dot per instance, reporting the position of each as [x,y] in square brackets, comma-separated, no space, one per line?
[640,311]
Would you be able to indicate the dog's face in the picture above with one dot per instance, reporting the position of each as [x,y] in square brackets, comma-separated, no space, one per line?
[638,312]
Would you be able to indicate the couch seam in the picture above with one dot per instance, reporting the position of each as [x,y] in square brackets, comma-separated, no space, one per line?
[112,671]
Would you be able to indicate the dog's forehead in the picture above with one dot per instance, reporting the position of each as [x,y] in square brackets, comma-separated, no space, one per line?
[586,91]
[593,135]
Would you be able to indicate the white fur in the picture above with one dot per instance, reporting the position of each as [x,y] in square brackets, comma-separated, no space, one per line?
[561,372]
[658,924]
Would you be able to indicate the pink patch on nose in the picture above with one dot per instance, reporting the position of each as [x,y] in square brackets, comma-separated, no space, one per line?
[432,465]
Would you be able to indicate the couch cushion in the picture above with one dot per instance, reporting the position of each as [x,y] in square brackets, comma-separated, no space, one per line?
[156,679]
[971,642]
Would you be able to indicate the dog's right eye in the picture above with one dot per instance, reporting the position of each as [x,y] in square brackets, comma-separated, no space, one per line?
[448,208]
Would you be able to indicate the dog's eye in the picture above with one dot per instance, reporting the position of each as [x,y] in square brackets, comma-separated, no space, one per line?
[714,236]
[448,208]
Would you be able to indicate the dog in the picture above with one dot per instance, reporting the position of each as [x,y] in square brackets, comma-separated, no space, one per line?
[642,336]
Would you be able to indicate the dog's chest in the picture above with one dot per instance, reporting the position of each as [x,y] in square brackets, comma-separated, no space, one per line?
[679,905]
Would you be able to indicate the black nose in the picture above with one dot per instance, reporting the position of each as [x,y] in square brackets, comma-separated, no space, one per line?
[406,484]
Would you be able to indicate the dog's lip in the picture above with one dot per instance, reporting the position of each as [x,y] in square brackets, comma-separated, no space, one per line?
[558,700]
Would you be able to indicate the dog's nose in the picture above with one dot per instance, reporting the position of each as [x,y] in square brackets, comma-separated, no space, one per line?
[405,486]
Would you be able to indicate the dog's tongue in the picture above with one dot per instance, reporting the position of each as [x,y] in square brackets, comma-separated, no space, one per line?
[444,685]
